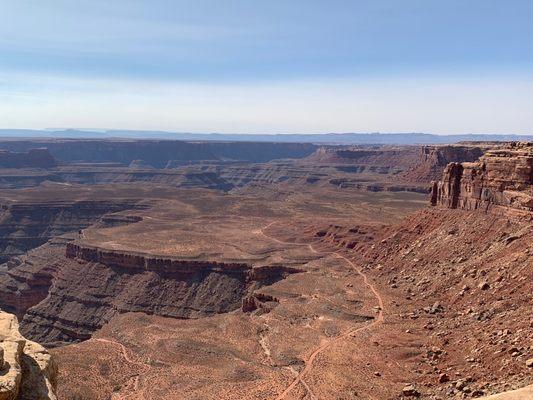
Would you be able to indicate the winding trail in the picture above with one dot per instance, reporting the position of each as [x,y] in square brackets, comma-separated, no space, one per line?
[126,356]
[350,333]
[262,232]
[122,348]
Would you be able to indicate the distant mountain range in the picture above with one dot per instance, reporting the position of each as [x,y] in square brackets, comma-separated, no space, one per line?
[326,138]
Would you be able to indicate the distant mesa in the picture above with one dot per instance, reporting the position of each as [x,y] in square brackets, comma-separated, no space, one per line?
[399,157]
[421,164]
[433,159]
[157,153]
[33,158]
[360,138]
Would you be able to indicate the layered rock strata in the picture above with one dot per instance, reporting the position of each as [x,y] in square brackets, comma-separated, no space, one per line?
[501,182]
[28,224]
[28,370]
[390,159]
[157,153]
[65,293]
[33,158]
[433,159]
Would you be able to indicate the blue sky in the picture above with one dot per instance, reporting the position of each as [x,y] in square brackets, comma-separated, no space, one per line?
[249,66]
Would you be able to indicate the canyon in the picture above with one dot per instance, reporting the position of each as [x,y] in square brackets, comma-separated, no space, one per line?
[222,270]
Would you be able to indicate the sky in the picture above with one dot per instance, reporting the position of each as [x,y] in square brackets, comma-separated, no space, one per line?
[276,66]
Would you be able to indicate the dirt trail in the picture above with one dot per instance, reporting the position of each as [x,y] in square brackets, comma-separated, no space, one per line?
[261,231]
[309,362]
[124,351]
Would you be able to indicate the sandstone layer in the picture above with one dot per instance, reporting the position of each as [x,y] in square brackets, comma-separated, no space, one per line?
[501,182]
[219,175]
[28,372]
[518,394]
[28,224]
[85,287]
[433,159]
[384,159]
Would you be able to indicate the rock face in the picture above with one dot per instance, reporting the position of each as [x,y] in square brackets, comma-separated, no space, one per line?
[433,159]
[383,159]
[33,158]
[416,164]
[364,168]
[500,182]
[157,153]
[28,370]
[28,224]
[258,301]
[65,294]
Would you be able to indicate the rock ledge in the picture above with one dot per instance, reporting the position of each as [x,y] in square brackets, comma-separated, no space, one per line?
[501,182]
[28,372]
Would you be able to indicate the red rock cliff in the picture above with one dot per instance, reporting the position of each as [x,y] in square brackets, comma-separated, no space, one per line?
[500,182]
[64,293]
[433,159]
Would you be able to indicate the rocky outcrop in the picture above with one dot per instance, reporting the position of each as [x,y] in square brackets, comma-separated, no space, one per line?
[345,237]
[65,293]
[25,280]
[500,182]
[259,301]
[28,370]
[33,158]
[129,260]
[433,159]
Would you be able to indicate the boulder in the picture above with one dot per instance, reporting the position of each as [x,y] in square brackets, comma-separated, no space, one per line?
[410,391]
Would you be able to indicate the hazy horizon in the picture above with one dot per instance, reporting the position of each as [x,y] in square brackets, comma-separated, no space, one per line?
[149,132]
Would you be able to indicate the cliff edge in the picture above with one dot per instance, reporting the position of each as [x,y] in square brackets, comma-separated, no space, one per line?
[501,182]
[28,371]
